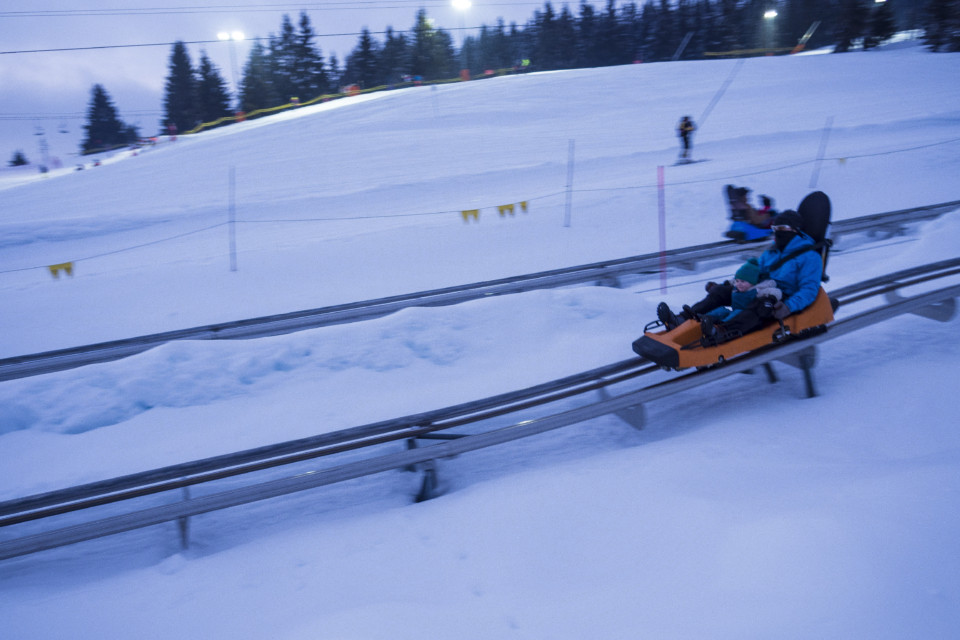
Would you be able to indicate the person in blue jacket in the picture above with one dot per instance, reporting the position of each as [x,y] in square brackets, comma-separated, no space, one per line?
[792,262]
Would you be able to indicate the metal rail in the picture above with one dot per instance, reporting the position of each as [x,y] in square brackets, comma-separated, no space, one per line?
[609,271]
[218,467]
[46,505]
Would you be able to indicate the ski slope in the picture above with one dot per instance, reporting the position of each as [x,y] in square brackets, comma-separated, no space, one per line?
[743,510]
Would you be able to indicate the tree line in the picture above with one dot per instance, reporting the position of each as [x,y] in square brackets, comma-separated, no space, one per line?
[290,64]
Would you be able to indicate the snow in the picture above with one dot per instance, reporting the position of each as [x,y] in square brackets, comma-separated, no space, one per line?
[742,510]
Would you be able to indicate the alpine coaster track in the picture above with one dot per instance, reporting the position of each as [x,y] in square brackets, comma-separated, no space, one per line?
[36,523]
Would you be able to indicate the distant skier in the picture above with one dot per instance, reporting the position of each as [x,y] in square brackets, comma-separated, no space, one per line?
[685,130]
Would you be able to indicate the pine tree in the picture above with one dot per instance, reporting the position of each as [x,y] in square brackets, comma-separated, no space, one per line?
[728,28]
[475,51]
[610,43]
[420,47]
[104,128]
[953,31]
[180,97]
[665,39]
[701,41]
[213,101]
[363,62]
[852,24]
[393,58]
[443,56]
[18,159]
[630,18]
[648,23]
[431,52]
[256,87]
[335,74]
[750,24]
[881,26]
[309,76]
[493,50]
[941,25]
[546,51]
[283,60]
[504,54]
[566,38]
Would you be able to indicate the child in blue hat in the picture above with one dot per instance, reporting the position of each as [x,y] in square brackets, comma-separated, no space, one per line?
[745,290]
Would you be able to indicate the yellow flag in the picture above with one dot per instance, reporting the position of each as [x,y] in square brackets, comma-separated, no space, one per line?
[66,267]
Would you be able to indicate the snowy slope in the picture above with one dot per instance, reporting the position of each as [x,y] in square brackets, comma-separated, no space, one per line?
[335,196]
[744,510]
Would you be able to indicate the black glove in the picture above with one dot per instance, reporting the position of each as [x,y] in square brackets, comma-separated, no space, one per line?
[780,311]
[710,286]
[765,306]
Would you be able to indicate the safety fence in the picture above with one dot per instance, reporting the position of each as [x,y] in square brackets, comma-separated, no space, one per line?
[473,215]
[607,273]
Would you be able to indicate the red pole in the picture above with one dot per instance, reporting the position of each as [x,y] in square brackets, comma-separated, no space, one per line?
[663,230]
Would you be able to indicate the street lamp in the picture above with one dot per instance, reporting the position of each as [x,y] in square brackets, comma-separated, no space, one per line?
[768,17]
[233,37]
[462,6]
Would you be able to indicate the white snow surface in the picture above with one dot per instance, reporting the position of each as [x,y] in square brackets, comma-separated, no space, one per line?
[742,510]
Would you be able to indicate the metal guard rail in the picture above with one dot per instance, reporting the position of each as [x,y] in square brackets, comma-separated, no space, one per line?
[218,467]
[427,455]
[607,271]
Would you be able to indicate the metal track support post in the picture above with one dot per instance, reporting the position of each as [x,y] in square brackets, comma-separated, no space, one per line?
[804,360]
[635,416]
[411,444]
[183,523]
[771,374]
[428,488]
[768,369]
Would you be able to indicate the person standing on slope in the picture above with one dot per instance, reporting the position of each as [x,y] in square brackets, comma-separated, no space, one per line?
[685,130]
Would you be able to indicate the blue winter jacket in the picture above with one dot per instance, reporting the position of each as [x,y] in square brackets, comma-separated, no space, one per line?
[739,300]
[799,277]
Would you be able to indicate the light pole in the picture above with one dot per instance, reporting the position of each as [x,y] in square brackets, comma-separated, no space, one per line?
[768,17]
[462,6]
[233,37]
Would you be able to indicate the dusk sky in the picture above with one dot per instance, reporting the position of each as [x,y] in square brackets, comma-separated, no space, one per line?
[49,91]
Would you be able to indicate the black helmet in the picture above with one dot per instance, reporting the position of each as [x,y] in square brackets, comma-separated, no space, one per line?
[788,218]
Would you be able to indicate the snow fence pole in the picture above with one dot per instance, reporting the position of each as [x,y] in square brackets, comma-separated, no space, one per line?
[824,137]
[232,217]
[719,94]
[661,201]
[568,210]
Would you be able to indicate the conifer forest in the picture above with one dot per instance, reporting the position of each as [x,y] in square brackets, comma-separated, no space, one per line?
[290,65]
